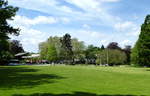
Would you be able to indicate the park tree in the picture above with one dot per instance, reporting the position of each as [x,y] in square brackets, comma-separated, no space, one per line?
[6,13]
[78,49]
[134,55]
[16,47]
[111,57]
[102,47]
[51,54]
[127,51]
[50,49]
[113,45]
[43,50]
[54,48]
[90,54]
[141,51]
[67,48]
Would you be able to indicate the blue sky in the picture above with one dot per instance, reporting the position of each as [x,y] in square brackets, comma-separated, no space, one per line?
[95,22]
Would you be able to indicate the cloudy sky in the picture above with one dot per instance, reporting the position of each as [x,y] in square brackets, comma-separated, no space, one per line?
[95,22]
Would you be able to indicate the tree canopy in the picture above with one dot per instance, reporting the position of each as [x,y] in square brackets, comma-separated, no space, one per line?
[141,51]
[6,13]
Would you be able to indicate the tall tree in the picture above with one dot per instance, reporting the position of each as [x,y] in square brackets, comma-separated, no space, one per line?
[142,46]
[6,13]
[67,47]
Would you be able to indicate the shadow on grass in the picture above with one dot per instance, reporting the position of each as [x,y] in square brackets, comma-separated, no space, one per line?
[74,94]
[22,77]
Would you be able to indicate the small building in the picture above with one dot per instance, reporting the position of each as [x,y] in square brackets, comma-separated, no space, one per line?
[33,58]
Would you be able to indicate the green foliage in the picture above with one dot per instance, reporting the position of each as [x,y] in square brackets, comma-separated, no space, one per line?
[141,52]
[90,54]
[78,49]
[51,49]
[67,47]
[6,13]
[134,55]
[102,47]
[51,53]
[43,50]
[127,51]
[4,57]
[16,47]
[111,57]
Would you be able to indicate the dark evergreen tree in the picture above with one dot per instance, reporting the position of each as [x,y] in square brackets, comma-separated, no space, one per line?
[102,47]
[67,47]
[142,46]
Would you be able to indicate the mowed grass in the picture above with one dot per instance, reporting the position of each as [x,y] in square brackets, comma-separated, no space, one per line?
[74,81]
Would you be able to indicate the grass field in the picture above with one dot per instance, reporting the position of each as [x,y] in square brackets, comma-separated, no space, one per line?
[74,81]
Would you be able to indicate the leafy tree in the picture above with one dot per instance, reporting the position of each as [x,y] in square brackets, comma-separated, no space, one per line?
[115,57]
[90,54]
[43,47]
[113,45]
[141,51]
[78,49]
[55,42]
[51,53]
[6,13]
[50,50]
[16,47]
[101,57]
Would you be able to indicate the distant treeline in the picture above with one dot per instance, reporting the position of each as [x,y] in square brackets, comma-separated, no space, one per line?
[72,51]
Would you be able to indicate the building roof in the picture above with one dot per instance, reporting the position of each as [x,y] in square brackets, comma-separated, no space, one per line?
[21,54]
[32,56]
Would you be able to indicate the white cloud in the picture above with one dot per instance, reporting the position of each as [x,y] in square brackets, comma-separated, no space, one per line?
[92,10]
[134,32]
[86,26]
[128,28]
[125,42]
[121,26]
[110,0]
[30,38]
[25,21]
[65,20]
[66,9]
[85,4]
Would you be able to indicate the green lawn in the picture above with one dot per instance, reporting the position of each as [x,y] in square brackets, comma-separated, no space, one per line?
[74,81]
